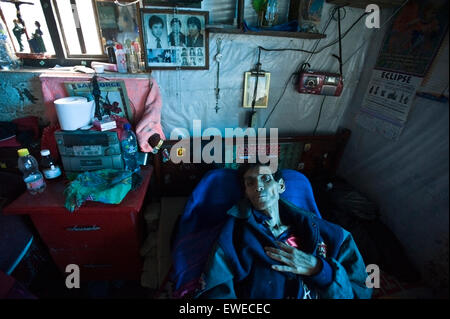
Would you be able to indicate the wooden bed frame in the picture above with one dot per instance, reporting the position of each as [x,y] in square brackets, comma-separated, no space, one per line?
[314,156]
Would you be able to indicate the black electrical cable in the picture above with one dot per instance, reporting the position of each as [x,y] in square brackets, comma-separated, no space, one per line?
[279,99]
[304,65]
[340,41]
[318,41]
[303,68]
[318,118]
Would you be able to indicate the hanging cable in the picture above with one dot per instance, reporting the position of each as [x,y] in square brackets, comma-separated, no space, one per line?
[306,64]
[340,41]
[255,91]
[279,99]
[318,117]
[303,67]
[318,41]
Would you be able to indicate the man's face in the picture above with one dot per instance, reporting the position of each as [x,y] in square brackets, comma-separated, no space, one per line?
[193,30]
[261,188]
[176,27]
[157,30]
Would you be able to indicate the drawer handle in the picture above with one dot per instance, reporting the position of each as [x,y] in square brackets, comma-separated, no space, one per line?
[83,228]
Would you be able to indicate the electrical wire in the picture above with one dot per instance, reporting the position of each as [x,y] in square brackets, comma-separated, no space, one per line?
[318,118]
[255,91]
[279,99]
[322,48]
[302,67]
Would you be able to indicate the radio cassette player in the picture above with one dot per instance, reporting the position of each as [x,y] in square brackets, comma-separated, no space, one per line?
[320,83]
[89,150]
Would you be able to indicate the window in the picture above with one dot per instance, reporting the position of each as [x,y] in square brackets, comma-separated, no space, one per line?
[50,32]
[76,20]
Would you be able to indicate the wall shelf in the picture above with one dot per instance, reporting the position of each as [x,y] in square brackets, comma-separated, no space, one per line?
[362,4]
[285,34]
[239,29]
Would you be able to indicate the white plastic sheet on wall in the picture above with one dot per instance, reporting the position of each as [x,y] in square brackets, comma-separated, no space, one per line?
[189,95]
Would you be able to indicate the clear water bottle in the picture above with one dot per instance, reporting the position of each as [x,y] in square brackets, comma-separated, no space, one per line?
[31,175]
[129,149]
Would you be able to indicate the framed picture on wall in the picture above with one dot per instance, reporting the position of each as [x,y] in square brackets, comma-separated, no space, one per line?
[118,24]
[175,39]
[262,91]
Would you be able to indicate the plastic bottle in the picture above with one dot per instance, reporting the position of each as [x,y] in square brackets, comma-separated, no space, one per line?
[121,59]
[129,149]
[31,175]
[131,60]
[271,13]
[48,165]
[111,54]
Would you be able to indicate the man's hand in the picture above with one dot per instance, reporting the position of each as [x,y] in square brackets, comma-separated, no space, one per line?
[294,260]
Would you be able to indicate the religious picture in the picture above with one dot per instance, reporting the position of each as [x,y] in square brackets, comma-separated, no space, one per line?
[118,24]
[262,83]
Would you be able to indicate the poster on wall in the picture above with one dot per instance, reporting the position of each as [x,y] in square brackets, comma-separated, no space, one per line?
[113,96]
[414,37]
[387,102]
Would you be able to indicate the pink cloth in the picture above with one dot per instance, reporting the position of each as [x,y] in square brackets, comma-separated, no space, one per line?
[293,242]
[143,93]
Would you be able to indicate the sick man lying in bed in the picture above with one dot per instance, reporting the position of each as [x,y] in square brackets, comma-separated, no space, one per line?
[271,249]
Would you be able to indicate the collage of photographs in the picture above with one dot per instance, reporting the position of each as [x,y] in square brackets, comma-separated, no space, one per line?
[174,40]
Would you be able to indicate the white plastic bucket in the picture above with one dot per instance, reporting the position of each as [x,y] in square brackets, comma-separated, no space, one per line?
[74,112]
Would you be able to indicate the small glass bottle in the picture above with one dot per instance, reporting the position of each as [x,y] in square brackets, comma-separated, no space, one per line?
[48,165]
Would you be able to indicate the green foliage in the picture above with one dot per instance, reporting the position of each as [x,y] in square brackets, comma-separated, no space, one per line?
[259,5]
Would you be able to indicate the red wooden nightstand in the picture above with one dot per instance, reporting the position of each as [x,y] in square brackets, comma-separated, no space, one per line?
[102,239]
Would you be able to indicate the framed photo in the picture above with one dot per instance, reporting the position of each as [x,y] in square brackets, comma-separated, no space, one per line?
[262,92]
[27,28]
[113,96]
[118,24]
[174,40]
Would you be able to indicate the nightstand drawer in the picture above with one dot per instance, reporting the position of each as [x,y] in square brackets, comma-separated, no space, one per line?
[100,264]
[89,231]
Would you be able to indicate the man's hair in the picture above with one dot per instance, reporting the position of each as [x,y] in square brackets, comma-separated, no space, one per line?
[195,21]
[175,20]
[155,20]
[243,168]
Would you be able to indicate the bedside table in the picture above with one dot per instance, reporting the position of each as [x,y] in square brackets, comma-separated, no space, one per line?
[102,239]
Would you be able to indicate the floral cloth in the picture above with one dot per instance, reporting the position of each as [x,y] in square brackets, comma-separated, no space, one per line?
[108,186]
